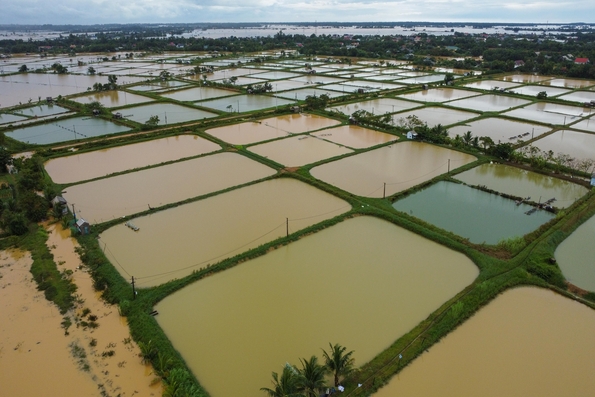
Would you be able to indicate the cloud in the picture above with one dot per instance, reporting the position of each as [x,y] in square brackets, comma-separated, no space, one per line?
[159,11]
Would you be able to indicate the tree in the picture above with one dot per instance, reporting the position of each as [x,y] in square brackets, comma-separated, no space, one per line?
[448,78]
[152,122]
[338,362]
[91,70]
[287,385]
[5,159]
[542,95]
[487,142]
[112,81]
[311,381]
[23,69]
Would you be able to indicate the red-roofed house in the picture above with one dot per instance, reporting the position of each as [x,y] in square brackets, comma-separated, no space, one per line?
[581,61]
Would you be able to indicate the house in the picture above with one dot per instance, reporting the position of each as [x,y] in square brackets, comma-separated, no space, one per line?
[83,226]
[581,61]
[412,135]
[519,63]
[59,200]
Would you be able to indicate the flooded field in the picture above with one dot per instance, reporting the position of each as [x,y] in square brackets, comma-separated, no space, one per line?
[438,95]
[168,113]
[490,85]
[303,93]
[471,213]
[376,106]
[575,256]
[387,277]
[6,118]
[159,85]
[585,125]
[488,103]
[571,83]
[99,163]
[19,89]
[499,130]
[501,342]
[42,110]
[131,193]
[354,136]
[550,113]
[66,130]
[437,115]
[523,183]
[112,99]
[198,94]
[423,79]
[533,90]
[579,145]
[271,128]
[244,103]
[299,150]
[399,166]
[579,96]
[171,244]
[526,78]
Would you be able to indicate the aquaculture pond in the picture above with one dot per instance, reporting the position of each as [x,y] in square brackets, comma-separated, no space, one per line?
[578,145]
[299,150]
[244,103]
[99,163]
[575,256]
[523,183]
[362,283]
[390,169]
[527,342]
[130,193]
[489,103]
[471,213]
[435,115]
[490,85]
[198,94]
[113,98]
[500,130]
[41,110]
[438,95]
[172,243]
[550,113]
[271,128]
[376,106]
[168,113]
[302,93]
[66,130]
[354,136]
[585,125]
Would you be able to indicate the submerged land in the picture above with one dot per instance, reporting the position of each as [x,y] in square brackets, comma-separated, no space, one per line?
[239,201]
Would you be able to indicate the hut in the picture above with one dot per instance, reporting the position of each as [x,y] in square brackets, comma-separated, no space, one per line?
[83,226]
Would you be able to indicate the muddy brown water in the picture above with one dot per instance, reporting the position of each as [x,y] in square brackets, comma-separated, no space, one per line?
[198,94]
[90,165]
[126,194]
[527,342]
[550,113]
[523,183]
[578,145]
[376,106]
[113,98]
[354,136]
[438,95]
[271,128]
[172,243]
[436,115]
[401,166]
[575,256]
[488,103]
[499,130]
[299,150]
[362,283]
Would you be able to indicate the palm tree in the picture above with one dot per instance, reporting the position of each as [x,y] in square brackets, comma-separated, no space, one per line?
[287,385]
[311,381]
[338,362]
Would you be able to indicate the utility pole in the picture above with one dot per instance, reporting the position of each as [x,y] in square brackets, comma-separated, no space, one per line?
[448,166]
[73,212]
[286,227]
[384,191]
[133,290]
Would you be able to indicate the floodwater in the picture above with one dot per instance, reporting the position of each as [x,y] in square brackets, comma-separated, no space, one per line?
[303,93]
[41,110]
[579,96]
[527,342]
[399,166]
[66,130]
[127,194]
[299,150]
[471,213]
[198,94]
[159,85]
[575,256]
[354,136]
[113,98]
[173,243]
[6,118]
[433,78]
[168,113]
[21,88]
[438,95]
[271,128]
[489,103]
[490,85]
[571,83]
[244,103]
[376,106]
[533,90]
[526,78]
[579,145]
[436,115]
[585,125]
[522,183]
[99,163]
[500,130]
[362,283]
[550,113]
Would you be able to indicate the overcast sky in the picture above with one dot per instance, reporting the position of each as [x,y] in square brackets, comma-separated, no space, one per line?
[155,11]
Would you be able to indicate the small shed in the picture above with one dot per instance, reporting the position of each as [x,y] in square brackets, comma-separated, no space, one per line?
[59,200]
[83,226]
[412,135]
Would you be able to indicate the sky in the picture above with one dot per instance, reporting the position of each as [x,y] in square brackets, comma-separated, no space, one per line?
[186,11]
